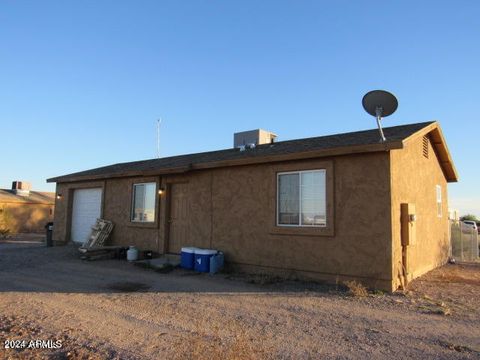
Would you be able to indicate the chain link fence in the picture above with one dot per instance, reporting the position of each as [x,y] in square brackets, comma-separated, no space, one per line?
[464,239]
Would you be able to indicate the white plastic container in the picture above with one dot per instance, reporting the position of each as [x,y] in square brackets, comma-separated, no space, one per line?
[132,253]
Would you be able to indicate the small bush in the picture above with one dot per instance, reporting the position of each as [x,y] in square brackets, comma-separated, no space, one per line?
[378,292]
[356,289]
[4,233]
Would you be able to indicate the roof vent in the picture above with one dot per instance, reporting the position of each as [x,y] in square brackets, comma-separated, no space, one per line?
[21,188]
[255,137]
[425,146]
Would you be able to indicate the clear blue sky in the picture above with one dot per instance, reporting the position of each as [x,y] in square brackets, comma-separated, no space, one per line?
[83,82]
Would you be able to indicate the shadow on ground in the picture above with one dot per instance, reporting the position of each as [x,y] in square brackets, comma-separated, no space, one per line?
[32,267]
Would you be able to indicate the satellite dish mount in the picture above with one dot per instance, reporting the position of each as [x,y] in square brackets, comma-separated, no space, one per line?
[380,103]
[378,115]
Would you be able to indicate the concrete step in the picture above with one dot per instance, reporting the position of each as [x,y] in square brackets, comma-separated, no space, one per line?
[162,262]
[173,258]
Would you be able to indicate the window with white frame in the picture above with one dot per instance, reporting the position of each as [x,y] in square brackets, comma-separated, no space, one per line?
[143,202]
[439,200]
[301,198]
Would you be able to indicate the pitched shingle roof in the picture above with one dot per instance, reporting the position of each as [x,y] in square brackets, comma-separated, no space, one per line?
[35,197]
[262,153]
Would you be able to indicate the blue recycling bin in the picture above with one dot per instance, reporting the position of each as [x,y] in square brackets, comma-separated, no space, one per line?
[187,257]
[202,259]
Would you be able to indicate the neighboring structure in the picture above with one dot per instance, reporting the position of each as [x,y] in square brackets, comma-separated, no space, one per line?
[453,214]
[23,210]
[329,208]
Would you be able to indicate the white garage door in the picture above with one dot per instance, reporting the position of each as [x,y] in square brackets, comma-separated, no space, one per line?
[86,210]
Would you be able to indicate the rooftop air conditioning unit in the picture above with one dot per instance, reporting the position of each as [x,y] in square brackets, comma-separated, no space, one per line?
[21,188]
[245,139]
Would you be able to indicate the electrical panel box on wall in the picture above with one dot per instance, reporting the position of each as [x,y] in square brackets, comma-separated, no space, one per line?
[409,224]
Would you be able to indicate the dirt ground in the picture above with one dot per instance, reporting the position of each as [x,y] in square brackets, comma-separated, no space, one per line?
[112,309]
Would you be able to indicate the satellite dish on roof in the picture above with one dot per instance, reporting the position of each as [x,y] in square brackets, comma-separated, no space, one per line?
[380,103]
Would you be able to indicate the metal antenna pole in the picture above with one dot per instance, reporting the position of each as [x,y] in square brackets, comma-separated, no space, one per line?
[378,112]
[159,122]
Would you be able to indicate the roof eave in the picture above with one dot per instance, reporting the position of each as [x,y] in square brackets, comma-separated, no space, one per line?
[76,178]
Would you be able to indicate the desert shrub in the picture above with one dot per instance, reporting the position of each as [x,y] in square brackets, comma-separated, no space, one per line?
[4,232]
[356,289]
[5,218]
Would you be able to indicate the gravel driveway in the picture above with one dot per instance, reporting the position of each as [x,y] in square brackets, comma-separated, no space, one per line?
[112,309]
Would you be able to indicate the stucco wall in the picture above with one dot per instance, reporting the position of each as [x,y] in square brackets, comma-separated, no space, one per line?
[414,180]
[233,209]
[25,218]
[357,245]
[117,207]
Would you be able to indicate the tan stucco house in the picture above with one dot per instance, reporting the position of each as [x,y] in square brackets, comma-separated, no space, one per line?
[329,208]
[23,210]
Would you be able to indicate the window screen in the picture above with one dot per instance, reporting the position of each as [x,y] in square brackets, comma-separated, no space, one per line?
[301,199]
[143,208]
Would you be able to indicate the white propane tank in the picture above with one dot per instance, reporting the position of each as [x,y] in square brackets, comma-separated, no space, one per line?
[132,253]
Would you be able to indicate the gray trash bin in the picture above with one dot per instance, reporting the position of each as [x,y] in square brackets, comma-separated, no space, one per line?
[49,229]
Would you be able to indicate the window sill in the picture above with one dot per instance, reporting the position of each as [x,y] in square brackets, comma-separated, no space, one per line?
[148,225]
[302,231]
